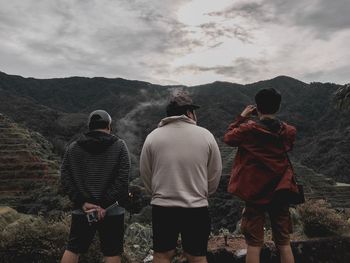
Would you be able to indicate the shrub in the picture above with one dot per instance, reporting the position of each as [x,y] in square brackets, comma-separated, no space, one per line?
[36,239]
[32,239]
[320,220]
[7,216]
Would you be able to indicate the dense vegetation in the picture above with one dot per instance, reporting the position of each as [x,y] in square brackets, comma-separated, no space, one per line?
[57,108]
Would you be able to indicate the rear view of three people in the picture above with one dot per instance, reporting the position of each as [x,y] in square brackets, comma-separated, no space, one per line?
[180,165]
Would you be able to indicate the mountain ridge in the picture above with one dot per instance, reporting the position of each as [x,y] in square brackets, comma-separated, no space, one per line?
[56,108]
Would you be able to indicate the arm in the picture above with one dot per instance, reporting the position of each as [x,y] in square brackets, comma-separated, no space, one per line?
[234,134]
[67,182]
[119,190]
[214,167]
[289,142]
[146,167]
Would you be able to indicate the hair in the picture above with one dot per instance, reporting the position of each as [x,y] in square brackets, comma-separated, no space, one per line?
[174,110]
[97,123]
[268,101]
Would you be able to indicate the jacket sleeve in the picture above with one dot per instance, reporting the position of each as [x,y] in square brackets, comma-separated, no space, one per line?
[289,142]
[146,167]
[214,167]
[67,181]
[234,134]
[119,189]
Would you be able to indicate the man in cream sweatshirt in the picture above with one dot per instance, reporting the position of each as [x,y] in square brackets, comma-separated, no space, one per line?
[180,166]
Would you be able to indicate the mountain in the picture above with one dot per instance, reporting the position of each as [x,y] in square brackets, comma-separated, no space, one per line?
[58,108]
[26,165]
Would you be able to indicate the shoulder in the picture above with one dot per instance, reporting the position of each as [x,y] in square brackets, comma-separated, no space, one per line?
[290,128]
[203,131]
[72,146]
[119,143]
[248,126]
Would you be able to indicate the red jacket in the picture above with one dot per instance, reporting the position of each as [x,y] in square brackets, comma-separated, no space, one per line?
[261,166]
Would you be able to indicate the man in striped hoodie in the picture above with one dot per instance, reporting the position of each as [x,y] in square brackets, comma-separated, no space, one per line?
[95,175]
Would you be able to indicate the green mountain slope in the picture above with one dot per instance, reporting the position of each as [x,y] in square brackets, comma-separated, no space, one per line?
[58,107]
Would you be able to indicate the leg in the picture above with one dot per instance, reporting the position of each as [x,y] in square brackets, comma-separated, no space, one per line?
[281,224]
[195,231]
[196,259]
[70,257]
[286,254]
[163,257]
[253,254]
[165,232]
[111,232]
[252,227]
[115,259]
[80,237]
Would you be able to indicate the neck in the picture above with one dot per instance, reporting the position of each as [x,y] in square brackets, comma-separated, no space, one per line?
[266,116]
[103,130]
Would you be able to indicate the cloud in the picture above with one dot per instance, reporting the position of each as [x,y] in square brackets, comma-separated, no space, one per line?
[243,68]
[108,38]
[255,10]
[323,17]
[176,41]
[217,31]
[338,75]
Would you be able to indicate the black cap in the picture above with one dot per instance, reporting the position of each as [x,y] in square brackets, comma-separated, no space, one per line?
[99,116]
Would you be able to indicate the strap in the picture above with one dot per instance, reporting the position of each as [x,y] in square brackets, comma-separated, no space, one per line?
[287,156]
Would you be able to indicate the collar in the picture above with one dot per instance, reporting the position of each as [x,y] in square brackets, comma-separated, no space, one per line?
[172,119]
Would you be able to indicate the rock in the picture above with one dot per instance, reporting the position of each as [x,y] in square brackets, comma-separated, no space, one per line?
[138,241]
[320,250]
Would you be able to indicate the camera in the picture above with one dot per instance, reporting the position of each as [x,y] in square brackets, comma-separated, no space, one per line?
[255,112]
[92,216]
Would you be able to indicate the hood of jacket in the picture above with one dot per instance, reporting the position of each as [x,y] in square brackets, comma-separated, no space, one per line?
[172,119]
[96,142]
[272,128]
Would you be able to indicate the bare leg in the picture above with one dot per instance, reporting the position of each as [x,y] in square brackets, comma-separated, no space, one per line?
[69,257]
[115,259]
[253,254]
[193,259]
[164,257]
[286,254]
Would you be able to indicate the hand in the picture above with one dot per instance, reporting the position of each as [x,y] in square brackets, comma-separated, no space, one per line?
[248,111]
[88,206]
[101,213]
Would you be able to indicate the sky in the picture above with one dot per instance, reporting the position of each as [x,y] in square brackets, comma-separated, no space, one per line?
[173,42]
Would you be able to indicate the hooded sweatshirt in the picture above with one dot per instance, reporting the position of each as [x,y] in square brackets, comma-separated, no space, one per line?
[180,163]
[95,169]
[261,166]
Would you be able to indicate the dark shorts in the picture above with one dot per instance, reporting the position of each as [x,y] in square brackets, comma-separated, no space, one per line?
[192,223]
[110,229]
[253,221]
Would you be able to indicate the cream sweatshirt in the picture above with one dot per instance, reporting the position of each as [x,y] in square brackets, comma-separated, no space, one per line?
[180,163]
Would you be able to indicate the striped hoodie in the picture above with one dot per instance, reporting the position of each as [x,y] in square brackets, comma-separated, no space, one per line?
[95,169]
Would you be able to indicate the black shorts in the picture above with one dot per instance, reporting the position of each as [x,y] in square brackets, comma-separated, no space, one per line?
[110,229]
[192,223]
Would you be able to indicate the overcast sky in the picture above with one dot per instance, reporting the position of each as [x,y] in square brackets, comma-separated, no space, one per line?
[177,41]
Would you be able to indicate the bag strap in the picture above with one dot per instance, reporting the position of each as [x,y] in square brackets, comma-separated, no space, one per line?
[287,156]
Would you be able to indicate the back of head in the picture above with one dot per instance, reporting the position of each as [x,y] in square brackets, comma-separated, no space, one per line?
[268,101]
[179,103]
[99,119]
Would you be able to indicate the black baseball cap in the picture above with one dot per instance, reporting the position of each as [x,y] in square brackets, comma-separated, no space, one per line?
[99,116]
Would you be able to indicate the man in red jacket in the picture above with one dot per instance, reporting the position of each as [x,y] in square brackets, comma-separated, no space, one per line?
[261,168]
